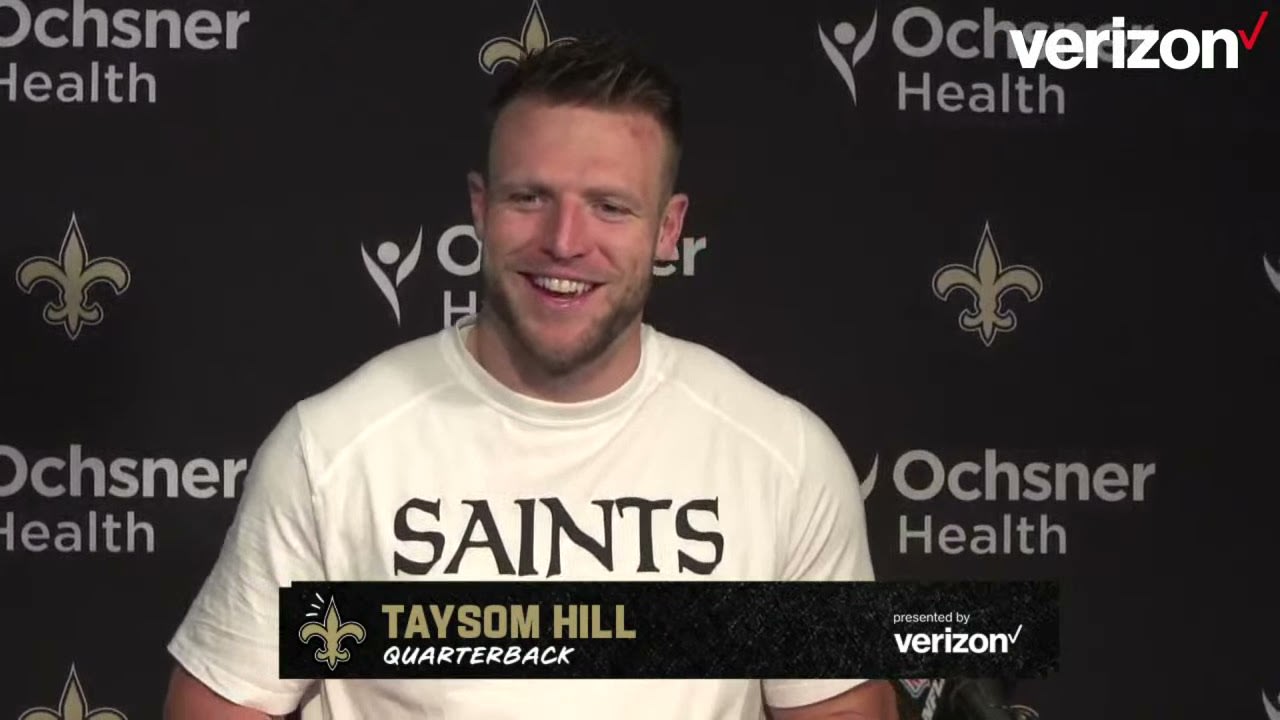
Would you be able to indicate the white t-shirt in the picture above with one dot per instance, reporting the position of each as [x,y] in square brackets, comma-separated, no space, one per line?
[423,423]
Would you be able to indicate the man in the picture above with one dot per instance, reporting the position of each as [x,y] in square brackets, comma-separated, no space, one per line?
[556,392]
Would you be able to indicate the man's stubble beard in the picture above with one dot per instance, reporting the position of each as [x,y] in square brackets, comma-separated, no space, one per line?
[556,363]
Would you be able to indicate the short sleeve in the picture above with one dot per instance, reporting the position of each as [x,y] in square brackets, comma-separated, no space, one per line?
[826,540]
[229,636]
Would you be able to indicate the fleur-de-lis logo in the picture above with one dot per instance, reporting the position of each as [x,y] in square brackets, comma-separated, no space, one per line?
[331,633]
[73,274]
[72,706]
[533,38]
[987,281]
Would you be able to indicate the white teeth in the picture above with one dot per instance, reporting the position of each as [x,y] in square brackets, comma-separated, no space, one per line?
[562,286]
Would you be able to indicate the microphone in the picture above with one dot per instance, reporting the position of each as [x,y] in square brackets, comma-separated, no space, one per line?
[953,699]
[920,698]
[979,699]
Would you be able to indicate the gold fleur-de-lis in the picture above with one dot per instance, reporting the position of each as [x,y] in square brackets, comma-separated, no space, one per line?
[534,37]
[331,634]
[987,281]
[72,273]
[72,706]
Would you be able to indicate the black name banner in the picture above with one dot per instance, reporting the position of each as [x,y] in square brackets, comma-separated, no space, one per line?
[696,630]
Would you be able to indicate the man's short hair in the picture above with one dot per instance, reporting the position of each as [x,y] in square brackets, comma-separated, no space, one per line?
[599,73]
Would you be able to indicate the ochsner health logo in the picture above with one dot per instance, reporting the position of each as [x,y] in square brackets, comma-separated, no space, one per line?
[67,29]
[389,268]
[926,49]
[459,252]
[997,61]
[389,260]
[1067,48]
[847,41]
[1007,482]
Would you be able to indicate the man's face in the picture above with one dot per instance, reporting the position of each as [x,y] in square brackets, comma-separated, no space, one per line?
[573,216]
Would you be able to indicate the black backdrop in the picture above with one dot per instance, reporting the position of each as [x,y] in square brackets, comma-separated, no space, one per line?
[240,202]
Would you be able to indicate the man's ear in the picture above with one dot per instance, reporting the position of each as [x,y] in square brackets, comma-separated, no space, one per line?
[479,200]
[672,224]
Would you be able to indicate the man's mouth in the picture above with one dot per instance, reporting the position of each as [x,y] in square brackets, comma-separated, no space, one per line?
[560,288]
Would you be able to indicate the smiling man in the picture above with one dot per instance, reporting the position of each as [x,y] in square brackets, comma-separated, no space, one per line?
[554,436]
[577,205]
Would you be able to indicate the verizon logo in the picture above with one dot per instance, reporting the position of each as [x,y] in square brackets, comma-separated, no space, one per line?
[1066,48]
[956,643]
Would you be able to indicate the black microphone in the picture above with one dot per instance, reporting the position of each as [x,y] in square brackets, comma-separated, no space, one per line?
[979,699]
[921,698]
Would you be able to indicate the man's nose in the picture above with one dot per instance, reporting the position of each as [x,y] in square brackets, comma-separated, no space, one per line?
[564,236]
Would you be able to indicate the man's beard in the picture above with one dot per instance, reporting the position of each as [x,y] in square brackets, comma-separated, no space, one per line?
[560,362]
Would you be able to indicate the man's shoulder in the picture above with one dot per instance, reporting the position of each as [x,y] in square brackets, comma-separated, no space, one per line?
[390,381]
[728,392]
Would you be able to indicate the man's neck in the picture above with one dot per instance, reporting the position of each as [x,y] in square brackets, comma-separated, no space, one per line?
[502,357]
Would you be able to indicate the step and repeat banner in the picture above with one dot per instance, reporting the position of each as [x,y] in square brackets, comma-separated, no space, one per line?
[1039,302]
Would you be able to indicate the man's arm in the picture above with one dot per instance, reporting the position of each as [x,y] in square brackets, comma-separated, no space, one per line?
[226,647]
[872,700]
[190,699]
[824,530]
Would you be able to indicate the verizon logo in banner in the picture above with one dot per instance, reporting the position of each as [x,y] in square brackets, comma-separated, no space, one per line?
[112,77]
[955,642]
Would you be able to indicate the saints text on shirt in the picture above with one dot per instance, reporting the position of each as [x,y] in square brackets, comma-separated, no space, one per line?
[651,520]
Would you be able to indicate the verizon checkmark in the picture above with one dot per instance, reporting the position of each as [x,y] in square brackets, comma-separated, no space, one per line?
[1249,40]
